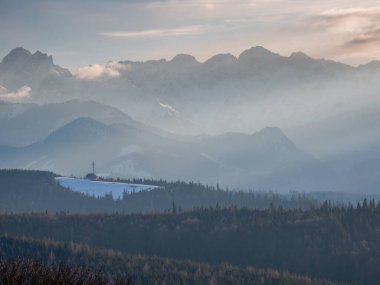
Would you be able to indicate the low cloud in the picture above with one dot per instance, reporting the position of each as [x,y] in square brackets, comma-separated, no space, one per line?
[95,71]
[21,93]
[172,32]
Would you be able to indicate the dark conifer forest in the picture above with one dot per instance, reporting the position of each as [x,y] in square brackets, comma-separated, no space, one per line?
[104,266]
[194,234]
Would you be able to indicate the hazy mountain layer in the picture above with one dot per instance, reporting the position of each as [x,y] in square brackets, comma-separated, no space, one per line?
[266,159]
[23,124]
[225,93]
[329,109]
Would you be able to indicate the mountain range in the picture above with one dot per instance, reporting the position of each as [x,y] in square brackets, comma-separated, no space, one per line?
[185,96]
[191,120]
[131,150]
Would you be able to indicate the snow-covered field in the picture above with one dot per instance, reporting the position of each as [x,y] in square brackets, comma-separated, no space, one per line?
[101,188]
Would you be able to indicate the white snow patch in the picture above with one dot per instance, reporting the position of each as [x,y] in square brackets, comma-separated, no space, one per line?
[168,107]
[101,188]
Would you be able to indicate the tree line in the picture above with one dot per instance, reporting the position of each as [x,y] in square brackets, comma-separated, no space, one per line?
[31,191]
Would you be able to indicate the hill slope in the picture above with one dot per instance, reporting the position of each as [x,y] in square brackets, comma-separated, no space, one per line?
[37,191]
[145,270]
[329,242]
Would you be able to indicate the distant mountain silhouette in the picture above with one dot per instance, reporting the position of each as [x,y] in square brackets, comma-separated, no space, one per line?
[236,160]
[21,67]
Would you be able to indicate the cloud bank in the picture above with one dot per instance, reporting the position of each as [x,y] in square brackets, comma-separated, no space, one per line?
[95,71]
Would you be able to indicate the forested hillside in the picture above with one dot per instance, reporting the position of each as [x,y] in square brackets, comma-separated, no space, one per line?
[337,243]
[27,191]
[191,221]
[133,269]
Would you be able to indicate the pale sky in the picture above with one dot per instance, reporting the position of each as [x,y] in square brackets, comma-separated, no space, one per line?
[79,33]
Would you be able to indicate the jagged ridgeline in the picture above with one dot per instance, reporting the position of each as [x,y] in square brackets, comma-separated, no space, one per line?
[26,191]
[122,269]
